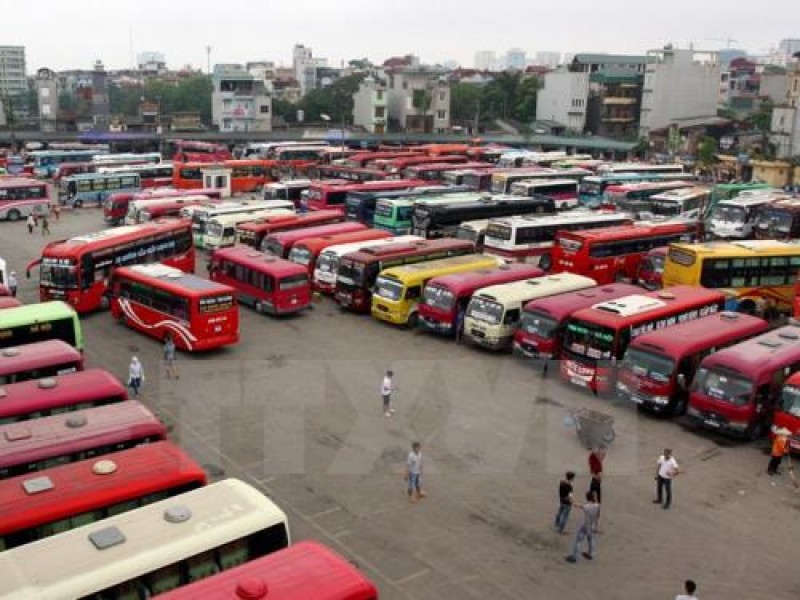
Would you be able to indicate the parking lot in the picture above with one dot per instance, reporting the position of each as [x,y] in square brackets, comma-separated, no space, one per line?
[294,408]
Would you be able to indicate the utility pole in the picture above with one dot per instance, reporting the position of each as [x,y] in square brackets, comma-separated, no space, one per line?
[208,60]
[475,127]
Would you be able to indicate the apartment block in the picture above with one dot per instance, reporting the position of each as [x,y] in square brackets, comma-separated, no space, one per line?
[418,99]
[370,109]
[239,102]
[13,81]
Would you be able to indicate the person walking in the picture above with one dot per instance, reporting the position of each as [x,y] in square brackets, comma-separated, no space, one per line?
[31,223]
[57,211]
[565,491]
[45,225]
[690,587]
[780,445]
[387,387]
[135,376]
[586,530]
[12,283]
[169,356]
[414,473]
[459,324]
[666,470]
[596,458]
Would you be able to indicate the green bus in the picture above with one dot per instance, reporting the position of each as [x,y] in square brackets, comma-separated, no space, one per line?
[395,214]
[39,322]
[726,191]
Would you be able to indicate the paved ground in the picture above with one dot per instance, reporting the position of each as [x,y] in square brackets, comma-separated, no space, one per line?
[295,409]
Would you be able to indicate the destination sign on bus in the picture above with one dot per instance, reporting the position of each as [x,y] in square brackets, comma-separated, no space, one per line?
[688,315]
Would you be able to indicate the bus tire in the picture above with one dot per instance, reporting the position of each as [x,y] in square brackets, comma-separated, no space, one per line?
[756,431]
[13,215]
[413,320]
[747,307]
[105,302]
[546,262]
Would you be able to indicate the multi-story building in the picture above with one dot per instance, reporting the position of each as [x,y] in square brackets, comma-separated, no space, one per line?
[787,48]
[370,106]
[101,106]
[785,126]
[547,59]
[485,60]
[306,68]
[47,93]
[515,59]
[742,82]
[564,99]
[13,81]
[680,87]
[151,62]
[418,99]
[240,101]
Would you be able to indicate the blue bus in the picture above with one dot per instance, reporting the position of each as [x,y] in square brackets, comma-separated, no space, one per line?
[592,189]
[45,162]
[76,190]
[360,206]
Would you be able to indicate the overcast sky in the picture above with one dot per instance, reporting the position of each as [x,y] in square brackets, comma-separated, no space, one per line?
[63,34]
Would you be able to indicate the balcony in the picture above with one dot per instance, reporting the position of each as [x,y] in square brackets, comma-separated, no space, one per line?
[619,101]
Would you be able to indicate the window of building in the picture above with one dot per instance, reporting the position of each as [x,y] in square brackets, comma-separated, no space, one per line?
[264,108]
[441,114]
[379,94]
[442,96]
[44,92]
[405,85]
[380,112]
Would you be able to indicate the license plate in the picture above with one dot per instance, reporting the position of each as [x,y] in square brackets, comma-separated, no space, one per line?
[711,422]
[579,381]
[637,399]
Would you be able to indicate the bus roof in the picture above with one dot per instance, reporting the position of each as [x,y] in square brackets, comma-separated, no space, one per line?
[320,243]
[75,488]
[366,186]
[741,249]
[292,236]
[390,251]
[9,302]
[786,203]
[647,185]
[561,306]
[243,217]
[110,237]
[14,182]
[528,289]
[288,183]
[78,177]
[259,261]
[68,389]
[55,309]
[572,216]
[461,284]
[747,200]
[302,571]
[535,183]
[289,221]
[624,232]
[173,280]
[221,513]
[27,357]
[682,193]
[692,336]
[424,270]
[760,355]
[169,201]
[342,249]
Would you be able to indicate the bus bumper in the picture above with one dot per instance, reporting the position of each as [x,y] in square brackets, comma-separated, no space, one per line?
[479,338]
[434,326]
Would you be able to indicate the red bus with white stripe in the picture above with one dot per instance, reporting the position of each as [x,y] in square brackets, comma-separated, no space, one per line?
[280,243]
[39,359]
[159,300]
[251,233]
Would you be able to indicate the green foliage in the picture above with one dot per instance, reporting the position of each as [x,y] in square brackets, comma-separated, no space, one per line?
[707,151]
[335,100]
[508,96]
[284,109]
[464,98]
[762,119]
[191,94]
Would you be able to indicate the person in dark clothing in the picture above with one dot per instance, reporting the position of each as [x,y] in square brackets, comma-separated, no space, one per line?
[564,502]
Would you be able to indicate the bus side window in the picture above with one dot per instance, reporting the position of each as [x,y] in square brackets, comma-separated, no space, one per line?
[512,316]
[233,554]
[413,292]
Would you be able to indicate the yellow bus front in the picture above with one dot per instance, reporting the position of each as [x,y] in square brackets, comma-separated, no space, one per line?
[393,298]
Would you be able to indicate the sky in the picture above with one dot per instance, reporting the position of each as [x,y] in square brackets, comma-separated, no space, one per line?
[64,34]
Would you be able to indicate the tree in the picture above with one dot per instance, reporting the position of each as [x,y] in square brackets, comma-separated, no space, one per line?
[335,100]
[525,101]
[464,100]
[707,151]
[190,94]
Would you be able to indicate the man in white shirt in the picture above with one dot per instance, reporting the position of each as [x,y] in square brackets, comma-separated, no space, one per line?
[689,587]
[414,473]
[386,392]
[666,471]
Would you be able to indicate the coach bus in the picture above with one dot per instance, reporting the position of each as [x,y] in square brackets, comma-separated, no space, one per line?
[595,338]
[252,233]
[58,394]
[444,299]
[37,360]
[736,389]
[651,269]
[502,181]
[359,270]
[530,238]
[659,367]
[116,206]
[77,270]
[326,268]
[371,160]
[779,220]
[760,273]
[494,312]
[20,198]
[541,325]
[126,159]
[435,171]
[640,168]
[42,443]
[787,411]
[73,168]
[151,209]
[46,162]
[151,176]
[201,216]
[689,203]
[564,192]
[76,494]
[159,300]
[395,213]
[398,290]
[288,189]
[246,175]
[39,322]
[280,243]
[360,206]
[306,251]
[737,218]
[149,550]
[267,283]
[354,174]
[635,197]
[322,196]
[201,152]
[302,571]
[221,230]
[611,254]
[396,166]
[96,187]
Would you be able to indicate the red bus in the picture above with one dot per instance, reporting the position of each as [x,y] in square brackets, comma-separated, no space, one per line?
[651,269]
[150,209]
[202,152]
[736,389]
[73,168]
[280,243]
[247,175]
[44,443]
[787,412]
[252,233]
[37,360]
[374,160]
[58,394]
[358,270]
[269,284]
[610,254]
[353,174]
[77,270]
[321,196]
[76,494]
[9,302]
[303,571]
[150,175]
[444,297]
[400,164]
[635,197]
[435,171]
[305,252]
[116,206]
[659,367]
[595,338]
[157,300]
[541,326]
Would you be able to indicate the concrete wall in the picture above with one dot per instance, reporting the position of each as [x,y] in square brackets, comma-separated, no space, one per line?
[564,99]
[367,104]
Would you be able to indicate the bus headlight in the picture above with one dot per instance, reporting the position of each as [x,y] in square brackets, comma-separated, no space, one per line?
[623,388]
[661,399]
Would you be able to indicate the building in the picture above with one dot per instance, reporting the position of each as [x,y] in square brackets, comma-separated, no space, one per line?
[515,59]
[681,88]
[742,84]
[101,106]
[306,68]
[239,101]
[13,81]
[47,94]
[418,99]
[485,60]
[787,48]
[774,84]
[564,99]
[151,62]
[785,126]
[370,106]
[547,59]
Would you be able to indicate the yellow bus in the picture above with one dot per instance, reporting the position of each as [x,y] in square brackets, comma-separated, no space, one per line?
[759,274]
[493,313]
[398,290]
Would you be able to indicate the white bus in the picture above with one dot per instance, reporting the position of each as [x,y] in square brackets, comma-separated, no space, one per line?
[639,168]
[685,203]
[112,160]
[564,192]
[526,158]
[473,231]
[736,218]
[150,550]
[221,230]
[494,312]
[529,239]
[289,189]
[201,216]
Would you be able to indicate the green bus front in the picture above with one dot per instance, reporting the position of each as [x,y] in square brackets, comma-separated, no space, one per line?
[393,214]
[40,322]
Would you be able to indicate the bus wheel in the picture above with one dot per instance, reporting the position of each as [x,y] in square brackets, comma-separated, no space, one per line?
[755,431]
[104,302]
[13,215]
[413,320]
[747,307]
[546,262]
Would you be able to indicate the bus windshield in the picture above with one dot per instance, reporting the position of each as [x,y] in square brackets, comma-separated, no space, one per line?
[351,272]
[438,297]
[328,262]
[538,324]
[723,386]
[391,289]
[485,310]
[589,340]
[300,255]
[384,210]
[775,221]
[646,364]
[790,400]
[214,229]
[293,281]
[653,263]
[666,208]
[591,188]
[730,214]
[58,273]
